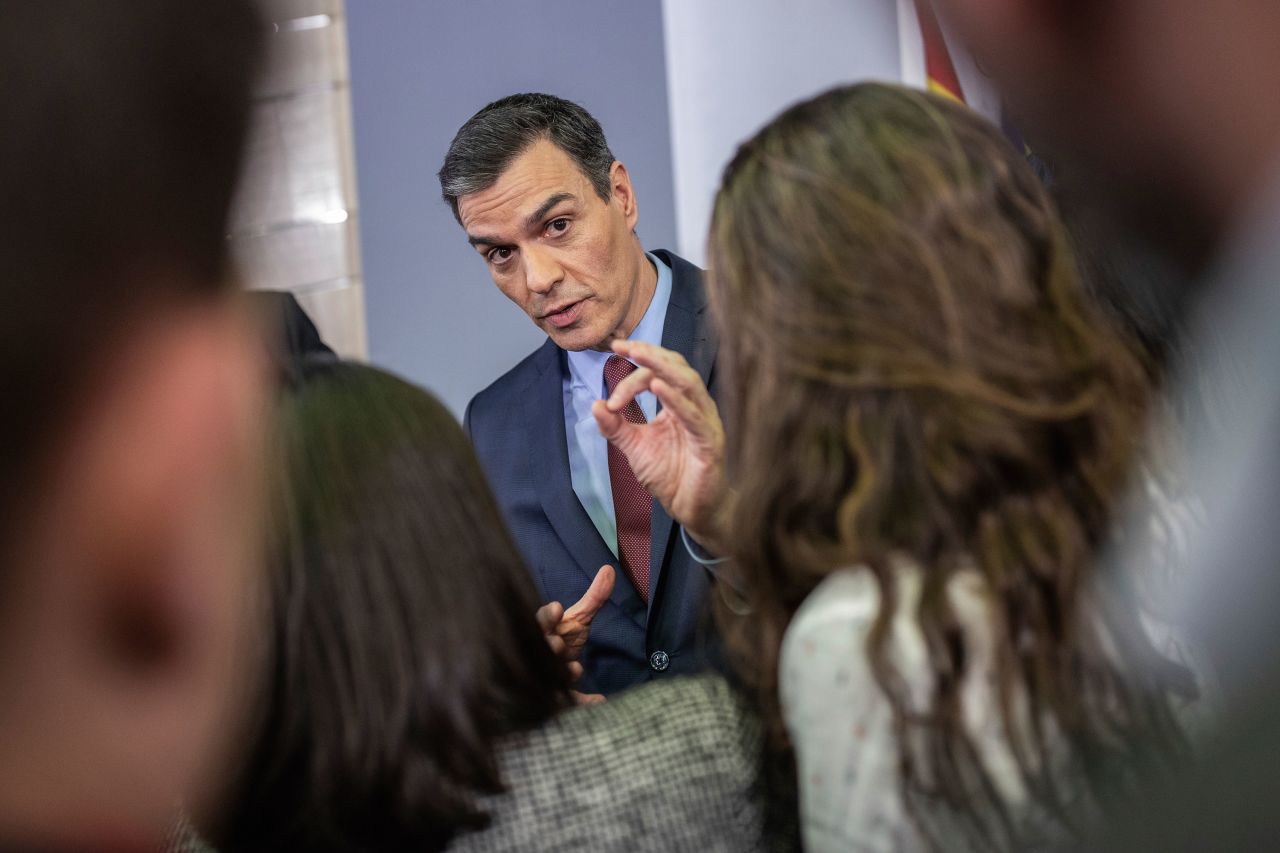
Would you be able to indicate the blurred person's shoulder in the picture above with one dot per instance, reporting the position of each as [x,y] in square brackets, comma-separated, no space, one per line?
[702,703]
[682,729]
[1173,520]
[668,765]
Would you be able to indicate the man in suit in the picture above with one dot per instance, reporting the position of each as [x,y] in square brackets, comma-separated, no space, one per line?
[540,196]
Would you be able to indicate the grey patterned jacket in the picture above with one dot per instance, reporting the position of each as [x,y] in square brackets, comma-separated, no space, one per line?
[669,766]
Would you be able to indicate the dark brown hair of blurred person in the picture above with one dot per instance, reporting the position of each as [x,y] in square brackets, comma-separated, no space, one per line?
[1167,108]
[915,370]
[131,389]
[404,640]
[1163,108]
[1141,291]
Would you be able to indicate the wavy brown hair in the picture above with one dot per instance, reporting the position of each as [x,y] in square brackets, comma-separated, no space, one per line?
[914,370]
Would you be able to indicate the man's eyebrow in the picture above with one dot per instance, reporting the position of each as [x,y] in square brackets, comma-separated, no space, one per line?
[536,217]
[533,220]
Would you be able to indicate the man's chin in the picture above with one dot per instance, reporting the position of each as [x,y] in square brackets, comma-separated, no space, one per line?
[575,339]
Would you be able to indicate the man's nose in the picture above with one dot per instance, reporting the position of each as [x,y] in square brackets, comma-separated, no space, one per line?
[541,271]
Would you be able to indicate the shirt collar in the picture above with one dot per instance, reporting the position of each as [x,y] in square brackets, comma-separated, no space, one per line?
[586,368]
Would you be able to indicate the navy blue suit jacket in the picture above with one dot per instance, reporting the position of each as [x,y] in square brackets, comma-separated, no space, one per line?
[517,426]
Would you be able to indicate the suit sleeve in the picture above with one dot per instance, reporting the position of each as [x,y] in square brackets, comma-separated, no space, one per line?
[466,419]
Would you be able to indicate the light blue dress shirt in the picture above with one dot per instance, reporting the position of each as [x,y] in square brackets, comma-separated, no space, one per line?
[584,384]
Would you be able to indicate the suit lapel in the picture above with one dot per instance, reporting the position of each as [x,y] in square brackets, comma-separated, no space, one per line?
[688,332]
[549,461]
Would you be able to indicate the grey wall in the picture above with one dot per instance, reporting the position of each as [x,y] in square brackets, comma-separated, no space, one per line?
[419,68]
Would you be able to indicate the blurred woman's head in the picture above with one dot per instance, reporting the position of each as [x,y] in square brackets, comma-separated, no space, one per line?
[913,370]
[404,641]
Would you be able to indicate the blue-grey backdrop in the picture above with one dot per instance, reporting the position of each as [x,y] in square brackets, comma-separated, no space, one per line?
[418,70]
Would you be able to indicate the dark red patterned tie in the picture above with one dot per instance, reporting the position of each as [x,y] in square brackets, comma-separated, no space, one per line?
[632,505]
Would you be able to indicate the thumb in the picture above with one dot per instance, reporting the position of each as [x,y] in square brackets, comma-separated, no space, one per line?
[613,426]
[597,594]
[549,616]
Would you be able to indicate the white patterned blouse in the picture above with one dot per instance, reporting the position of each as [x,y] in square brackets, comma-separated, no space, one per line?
[841,723]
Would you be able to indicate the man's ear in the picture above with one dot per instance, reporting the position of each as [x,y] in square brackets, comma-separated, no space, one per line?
[624,194]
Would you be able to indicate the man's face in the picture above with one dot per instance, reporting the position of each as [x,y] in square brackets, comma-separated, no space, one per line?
[568,258]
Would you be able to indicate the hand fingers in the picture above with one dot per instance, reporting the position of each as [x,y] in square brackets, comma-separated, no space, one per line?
[558,646]
[700,421]
[664,368]
[613,426]
[628,388]
[594,598]
[587,698]
[548,616]
[575,670]
[666,364]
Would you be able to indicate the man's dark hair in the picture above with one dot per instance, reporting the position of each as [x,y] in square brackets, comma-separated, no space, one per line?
[485,146]
[403,637]
[124,126]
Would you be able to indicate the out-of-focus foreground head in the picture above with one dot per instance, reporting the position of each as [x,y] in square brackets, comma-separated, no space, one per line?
[905,339]
[132,390]
[1167,105]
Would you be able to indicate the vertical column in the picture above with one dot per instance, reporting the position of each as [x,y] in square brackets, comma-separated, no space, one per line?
[295,225]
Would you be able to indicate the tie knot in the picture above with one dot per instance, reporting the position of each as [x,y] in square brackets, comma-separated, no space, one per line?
[616,369]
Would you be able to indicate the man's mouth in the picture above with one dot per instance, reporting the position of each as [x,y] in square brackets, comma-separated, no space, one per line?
[565,316]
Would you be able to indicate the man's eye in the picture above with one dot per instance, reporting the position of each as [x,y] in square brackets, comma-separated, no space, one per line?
[557,226]
[499,255]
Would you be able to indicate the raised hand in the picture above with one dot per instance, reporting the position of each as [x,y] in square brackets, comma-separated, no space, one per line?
[567,630]
[679,455]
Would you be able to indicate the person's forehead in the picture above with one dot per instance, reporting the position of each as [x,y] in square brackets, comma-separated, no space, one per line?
[536,174]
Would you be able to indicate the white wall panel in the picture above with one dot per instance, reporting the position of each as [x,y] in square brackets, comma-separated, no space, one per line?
[295,225]
[732,65]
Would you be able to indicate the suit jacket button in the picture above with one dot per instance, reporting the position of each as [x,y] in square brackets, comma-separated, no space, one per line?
[659,661]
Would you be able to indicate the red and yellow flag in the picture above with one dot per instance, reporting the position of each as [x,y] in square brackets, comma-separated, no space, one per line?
[939,69]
